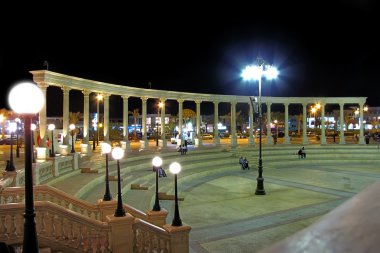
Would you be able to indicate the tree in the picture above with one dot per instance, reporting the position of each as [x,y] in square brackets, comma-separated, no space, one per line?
[135,113]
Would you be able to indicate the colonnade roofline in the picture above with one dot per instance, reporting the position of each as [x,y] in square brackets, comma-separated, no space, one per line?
[61,80]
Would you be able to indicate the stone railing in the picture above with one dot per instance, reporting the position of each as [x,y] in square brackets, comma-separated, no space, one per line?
[62,229]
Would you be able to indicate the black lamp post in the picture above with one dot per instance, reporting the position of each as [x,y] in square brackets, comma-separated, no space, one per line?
[255,73]
[72,130]
[157,162]
[51,127]
[17,146]
[117,154]
[106,149]
[10,166]
[27,99]
[175,168]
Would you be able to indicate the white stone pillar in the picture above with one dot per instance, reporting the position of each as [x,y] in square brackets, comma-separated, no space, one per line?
[65,127]
[180,119]
[361,131]
[286,123]
[42,116]
[106,124]
[251,140]
[86,116]
[342,139]
[304,125]
[216,122]
[198,130]
[233,124]
[269,121]
[323,134]
[144,142]
[163,134]
[125,123]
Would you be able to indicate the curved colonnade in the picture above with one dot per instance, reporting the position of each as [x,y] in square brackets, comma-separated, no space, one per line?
[45,78]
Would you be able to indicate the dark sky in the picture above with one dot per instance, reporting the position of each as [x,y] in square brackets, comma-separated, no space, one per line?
[320,49]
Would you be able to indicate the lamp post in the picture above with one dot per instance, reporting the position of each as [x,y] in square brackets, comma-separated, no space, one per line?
[117,154]
[51,127]
[27,99]
[158,116]
[157,162]
[106,149]
[32,128]
[72,130]
[17,146]
[175,168]
[10,166]
[255,72]
[99,97]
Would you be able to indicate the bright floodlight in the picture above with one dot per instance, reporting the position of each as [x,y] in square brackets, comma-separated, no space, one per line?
[271,72]
[251,72]
[117,153]
[157,161]
[51,127]
[106,148]
[33,126]
[12,127]
[26,98]
[72,126]
[175,168]
[99,97]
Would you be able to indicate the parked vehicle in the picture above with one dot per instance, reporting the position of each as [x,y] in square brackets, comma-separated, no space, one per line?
[207,136]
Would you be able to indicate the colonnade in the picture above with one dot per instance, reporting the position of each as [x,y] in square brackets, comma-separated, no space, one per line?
[45,78]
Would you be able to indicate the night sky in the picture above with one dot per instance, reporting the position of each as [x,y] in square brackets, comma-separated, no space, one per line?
[327,49]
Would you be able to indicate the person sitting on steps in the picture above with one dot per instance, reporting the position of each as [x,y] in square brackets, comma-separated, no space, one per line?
[302,153]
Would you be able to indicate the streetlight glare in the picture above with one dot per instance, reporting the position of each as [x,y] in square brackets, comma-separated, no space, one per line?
[51,127]
[117,153]
[157,161]
[26,98]
[271,72]
[72,126]
[106,148]
[175,168]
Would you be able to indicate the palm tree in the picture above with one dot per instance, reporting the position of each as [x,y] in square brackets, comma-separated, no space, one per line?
[135,113]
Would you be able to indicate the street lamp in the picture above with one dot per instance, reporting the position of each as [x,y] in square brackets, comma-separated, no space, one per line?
[117,154]
[255,72]
[99,97]
[17,145]
[160,105]
[175,168]
[106,149]
[157,162]
[51,127]
[27,99]
[33,127]
[72,130]
[12,129]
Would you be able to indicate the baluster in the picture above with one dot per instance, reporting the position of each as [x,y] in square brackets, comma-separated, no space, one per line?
[13,226]
[62,236]
[43,222]
[3,228]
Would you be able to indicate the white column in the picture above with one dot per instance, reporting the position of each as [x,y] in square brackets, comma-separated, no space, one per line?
[323,135]
[342,140]
[216,121]
[304,125]
[65,127]
[125,123]
[144,141]
[251,140]
[180,119]
[269,121]
[106,124]
[163,135]
[199,134]
[286,123]
[233,124]
[86,116]
[42,115]
[361,131]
